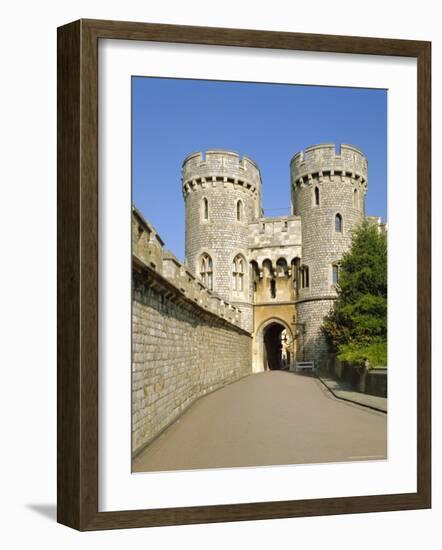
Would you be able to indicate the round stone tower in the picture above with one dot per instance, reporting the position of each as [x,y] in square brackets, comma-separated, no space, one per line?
[328,192]
[222,193]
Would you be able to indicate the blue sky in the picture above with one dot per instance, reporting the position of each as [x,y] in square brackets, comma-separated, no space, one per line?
[172,118]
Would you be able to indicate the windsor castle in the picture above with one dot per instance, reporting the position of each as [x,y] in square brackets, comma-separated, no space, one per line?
[253,291]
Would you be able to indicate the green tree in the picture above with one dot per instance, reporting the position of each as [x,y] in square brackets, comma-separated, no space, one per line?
[356,327]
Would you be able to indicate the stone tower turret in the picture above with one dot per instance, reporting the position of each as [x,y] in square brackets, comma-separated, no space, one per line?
[328,192]
[222,193]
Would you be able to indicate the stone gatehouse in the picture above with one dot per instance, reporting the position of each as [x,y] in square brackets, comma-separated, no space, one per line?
[253,290]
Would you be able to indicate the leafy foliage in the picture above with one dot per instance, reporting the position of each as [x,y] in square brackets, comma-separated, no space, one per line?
[375,353]
[356,327]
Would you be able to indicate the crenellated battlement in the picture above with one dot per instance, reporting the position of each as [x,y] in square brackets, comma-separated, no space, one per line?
[148,252]
[320,160]
[220,167]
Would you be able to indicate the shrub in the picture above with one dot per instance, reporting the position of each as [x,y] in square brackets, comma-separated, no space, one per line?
[356,327]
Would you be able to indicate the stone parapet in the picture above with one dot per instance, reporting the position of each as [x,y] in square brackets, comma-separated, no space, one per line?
[220,167]
[150,256]
[321,159]
[146,243]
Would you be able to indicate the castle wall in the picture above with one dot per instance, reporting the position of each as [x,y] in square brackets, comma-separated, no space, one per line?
[186,341]
[180,353]
[337,177]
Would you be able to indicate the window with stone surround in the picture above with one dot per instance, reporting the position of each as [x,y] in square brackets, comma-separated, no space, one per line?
[338,223]
[206,271]
[238,273]
[304,276]
[273,288]
[355,199]
[295,266]
[316,197]
[205,209]
[335,274]
[239,210]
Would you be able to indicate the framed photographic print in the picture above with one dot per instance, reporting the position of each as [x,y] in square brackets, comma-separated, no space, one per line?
[243,275]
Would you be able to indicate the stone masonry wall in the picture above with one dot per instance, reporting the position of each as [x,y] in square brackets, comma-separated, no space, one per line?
[180,352]
[312,345]
[275,238]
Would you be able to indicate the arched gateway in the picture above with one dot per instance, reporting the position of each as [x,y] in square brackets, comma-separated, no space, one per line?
[273,346]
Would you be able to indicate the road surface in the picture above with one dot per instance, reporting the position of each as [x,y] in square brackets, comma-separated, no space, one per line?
[270,418]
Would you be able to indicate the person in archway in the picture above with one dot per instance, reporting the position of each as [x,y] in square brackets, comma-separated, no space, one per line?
[284,349]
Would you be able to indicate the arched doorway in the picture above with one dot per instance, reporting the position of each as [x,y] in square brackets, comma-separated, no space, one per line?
[273,346]
[274,353]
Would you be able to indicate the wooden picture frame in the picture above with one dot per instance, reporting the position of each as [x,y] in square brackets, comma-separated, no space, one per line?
[77,462]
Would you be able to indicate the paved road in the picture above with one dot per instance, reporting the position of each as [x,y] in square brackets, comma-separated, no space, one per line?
[268,418]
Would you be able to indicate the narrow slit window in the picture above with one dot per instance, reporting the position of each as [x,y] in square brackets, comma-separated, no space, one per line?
[206,271]
[304,277]
[316,196]
[234,276]
[273,288]
[239,210]
[241,274]
[338,223]
[238,274]
[205,209]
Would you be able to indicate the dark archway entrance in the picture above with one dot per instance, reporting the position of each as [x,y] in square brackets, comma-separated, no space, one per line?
[276,356]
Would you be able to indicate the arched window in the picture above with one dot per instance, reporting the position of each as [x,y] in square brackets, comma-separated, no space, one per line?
[335,273]
[338,223]
[206,271]
[238,273]
[316,196]
[267,269]
[239,210]
[205,209]
[281,267]
[355,199]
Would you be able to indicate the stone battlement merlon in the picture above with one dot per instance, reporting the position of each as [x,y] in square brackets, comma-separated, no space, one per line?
[148,227]
[318,160]
[218,165]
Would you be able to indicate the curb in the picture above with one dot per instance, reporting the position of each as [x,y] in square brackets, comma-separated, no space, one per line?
[372,407]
